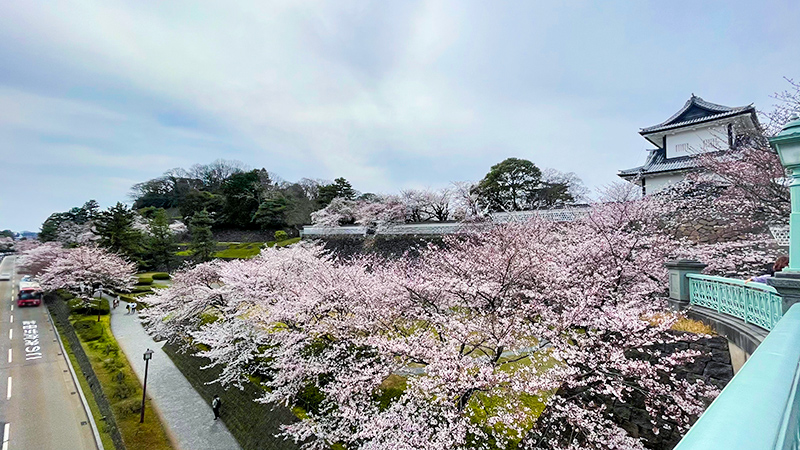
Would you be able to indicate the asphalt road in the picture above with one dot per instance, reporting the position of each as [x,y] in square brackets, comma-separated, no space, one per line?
[40,407]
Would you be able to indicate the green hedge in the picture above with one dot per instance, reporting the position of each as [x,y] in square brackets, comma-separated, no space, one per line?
[145,279]
[88,330]
[77,306]
[141,289]
[160,276]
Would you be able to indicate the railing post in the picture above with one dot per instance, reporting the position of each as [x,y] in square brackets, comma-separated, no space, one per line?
[679,283]
[788,287]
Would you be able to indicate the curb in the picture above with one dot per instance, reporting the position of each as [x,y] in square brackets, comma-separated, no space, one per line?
[85,403]
[173,439]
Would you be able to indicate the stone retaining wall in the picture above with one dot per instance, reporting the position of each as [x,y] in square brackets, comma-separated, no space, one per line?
[714,367]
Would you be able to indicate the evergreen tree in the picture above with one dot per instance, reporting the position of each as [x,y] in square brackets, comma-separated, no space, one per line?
[271,213]
[517,185]
[202,245]
[115,228]
[51,225]
[340,188]
[161,246]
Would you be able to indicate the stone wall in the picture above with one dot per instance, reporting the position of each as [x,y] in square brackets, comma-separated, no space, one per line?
[386,246]
[714,367]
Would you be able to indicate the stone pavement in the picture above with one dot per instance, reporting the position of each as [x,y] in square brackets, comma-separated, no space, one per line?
[188,418]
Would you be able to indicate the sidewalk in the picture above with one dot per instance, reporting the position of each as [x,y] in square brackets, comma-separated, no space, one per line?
[186,415]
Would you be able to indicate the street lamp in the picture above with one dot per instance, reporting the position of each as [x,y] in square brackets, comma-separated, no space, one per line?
[787,144]
[147,356]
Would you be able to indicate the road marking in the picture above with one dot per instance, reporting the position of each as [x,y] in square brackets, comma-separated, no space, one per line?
[5,436]
[9,355]
[11,334]
[8,392]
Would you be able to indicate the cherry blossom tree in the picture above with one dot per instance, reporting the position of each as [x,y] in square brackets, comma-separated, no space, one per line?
[6,243]
[36,257]
[459,347]
[73,233]
[86,269]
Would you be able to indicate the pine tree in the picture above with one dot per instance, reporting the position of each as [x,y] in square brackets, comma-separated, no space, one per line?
[161,243]
[203,244]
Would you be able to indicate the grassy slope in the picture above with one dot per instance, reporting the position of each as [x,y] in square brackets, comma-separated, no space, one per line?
[124,392]
[105,437]
[254,425]
[244,250]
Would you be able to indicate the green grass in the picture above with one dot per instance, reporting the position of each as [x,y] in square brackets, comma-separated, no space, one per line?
[105,436]
[144,279]
[122,388]
[240,251]
[283,243]
[243,250]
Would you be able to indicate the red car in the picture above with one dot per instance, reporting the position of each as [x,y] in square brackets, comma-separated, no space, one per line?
[29,296]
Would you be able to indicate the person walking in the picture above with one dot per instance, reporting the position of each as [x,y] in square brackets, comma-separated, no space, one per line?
[127,308]
[215,405]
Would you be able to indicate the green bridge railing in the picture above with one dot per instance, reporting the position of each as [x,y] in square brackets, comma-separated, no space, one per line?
[754,303]
[760,408]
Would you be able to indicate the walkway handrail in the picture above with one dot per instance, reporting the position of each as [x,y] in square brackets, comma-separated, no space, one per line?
[760,408]
[755,303]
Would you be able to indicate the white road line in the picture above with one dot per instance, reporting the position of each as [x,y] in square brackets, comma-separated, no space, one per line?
[12,318]
[9,355]
[5,435]
[12,307]
[8,391]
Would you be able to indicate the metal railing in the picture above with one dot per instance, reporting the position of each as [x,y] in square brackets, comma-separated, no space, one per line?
[754,303]
[760,408]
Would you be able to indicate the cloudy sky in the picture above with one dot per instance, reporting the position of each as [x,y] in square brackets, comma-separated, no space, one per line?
[96,95]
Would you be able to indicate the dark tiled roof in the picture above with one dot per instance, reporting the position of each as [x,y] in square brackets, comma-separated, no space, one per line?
[697,110]
[657,162]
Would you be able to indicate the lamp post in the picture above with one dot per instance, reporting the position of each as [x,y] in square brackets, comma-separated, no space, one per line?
[147,356]
[787,145]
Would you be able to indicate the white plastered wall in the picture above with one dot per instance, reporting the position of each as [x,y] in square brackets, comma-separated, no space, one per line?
[655,183]
[696,141]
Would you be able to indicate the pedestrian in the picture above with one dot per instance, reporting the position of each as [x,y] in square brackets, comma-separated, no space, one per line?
[133,308]
[780,264]
[215,404]
[127,308]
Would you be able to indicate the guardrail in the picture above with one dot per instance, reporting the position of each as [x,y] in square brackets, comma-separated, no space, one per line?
[755,303]
[760,408]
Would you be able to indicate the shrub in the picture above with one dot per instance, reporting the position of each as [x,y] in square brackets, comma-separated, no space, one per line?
[141,289]
[145,279]
[88,330]
[130,406]
[281,235]
[160,276]
[122,391]
[693,326]
[78,306]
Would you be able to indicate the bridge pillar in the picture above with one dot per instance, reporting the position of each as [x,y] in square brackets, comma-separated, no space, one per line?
[679,282]
[788,287]
[787,145]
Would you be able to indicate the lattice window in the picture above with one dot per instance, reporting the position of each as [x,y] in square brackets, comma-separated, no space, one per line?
[780,233]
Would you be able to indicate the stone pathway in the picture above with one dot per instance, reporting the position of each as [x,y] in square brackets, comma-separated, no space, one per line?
[186,415]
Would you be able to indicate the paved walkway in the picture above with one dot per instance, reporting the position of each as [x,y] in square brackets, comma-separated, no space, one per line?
[187,416]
